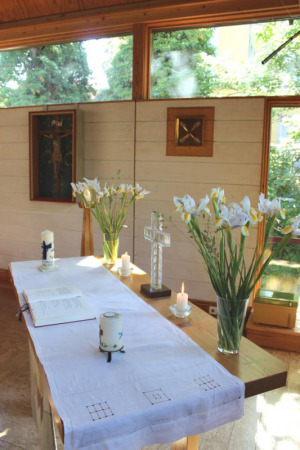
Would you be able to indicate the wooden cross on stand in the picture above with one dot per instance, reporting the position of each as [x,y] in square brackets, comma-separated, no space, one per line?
[158,239]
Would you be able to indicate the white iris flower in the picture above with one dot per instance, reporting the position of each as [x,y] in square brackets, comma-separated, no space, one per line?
[233,217]
[203,205]
[218,194]
[270,208]
[294,228]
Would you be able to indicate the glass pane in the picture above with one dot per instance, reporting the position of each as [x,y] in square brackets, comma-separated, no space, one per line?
[225,61]
[284,182]
[93,70]
[110,60]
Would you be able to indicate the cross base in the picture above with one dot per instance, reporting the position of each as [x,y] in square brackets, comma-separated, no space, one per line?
[149,291]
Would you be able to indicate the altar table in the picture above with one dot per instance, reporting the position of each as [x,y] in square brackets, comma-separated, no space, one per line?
[255,367]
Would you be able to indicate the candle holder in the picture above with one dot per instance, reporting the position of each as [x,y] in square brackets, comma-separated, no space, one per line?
[48,269]
[181,313]
[124,273]
[110,352]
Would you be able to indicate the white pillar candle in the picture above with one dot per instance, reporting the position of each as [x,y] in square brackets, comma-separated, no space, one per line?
[47,236]
[125,268]
[111,332]
[47,241]
[182,299]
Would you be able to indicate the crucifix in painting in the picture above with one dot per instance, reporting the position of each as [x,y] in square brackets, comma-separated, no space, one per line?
[52,155]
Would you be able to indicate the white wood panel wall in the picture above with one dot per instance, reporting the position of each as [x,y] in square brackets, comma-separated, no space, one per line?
[108,145]
[132,137]
[235,166]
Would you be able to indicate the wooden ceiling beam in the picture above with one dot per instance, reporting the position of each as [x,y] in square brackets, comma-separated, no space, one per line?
[154,13]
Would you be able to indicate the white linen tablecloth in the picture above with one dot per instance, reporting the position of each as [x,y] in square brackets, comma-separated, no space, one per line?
[163,388]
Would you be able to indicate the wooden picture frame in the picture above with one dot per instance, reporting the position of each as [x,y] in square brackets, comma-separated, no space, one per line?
[190,131]
[52,146]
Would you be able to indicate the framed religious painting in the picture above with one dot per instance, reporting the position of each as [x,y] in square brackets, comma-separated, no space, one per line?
[52,141]
[190,131]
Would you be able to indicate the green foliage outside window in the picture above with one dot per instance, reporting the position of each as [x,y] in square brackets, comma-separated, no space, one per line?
[179,67]
[284,182]
[184,63]
[45,75]
[119,74]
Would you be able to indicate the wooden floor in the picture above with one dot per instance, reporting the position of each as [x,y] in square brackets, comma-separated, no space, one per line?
[271,420]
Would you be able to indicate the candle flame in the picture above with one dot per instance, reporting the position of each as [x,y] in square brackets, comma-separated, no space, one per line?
[182,288]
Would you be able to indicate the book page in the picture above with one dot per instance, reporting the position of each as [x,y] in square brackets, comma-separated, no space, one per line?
[51,293]
[60,311]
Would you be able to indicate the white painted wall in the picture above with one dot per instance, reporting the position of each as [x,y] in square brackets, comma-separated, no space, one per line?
[108,145]
[132,137]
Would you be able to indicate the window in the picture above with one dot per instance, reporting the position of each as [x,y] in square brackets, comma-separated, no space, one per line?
[92,70]
[283,273]
[225,61]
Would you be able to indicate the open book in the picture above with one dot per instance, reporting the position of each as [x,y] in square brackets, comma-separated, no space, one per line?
[49,306]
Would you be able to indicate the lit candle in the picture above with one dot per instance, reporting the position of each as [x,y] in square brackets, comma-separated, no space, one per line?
[125,269]
[182,299]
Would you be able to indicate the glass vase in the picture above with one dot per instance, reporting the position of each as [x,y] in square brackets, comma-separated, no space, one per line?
[231,317]
[110,248]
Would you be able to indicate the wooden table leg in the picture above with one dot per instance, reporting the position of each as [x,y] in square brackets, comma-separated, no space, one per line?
[87,239]
[187,443]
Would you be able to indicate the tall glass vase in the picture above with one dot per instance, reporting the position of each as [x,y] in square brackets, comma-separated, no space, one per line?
[110,248]
[231,318]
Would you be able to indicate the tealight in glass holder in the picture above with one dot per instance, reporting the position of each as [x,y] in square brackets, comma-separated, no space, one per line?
[181,309]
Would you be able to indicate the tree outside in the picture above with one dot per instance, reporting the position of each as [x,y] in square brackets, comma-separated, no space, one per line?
[178,63]
[119,73]
[45,75]
[194,63]
[280,75]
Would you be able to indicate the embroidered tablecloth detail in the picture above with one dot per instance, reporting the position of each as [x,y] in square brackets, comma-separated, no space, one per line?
[207,383]
[99,411]
[163,388]
[156,396]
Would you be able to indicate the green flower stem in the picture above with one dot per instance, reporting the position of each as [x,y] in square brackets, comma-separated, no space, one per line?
[110,248]
[231,315]
[241,249]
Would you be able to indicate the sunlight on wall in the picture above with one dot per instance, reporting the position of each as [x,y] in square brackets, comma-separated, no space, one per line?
[4,433]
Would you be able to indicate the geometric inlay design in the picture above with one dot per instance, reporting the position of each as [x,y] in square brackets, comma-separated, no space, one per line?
[156,396]
[207,383]
[189,131]
[99,411]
